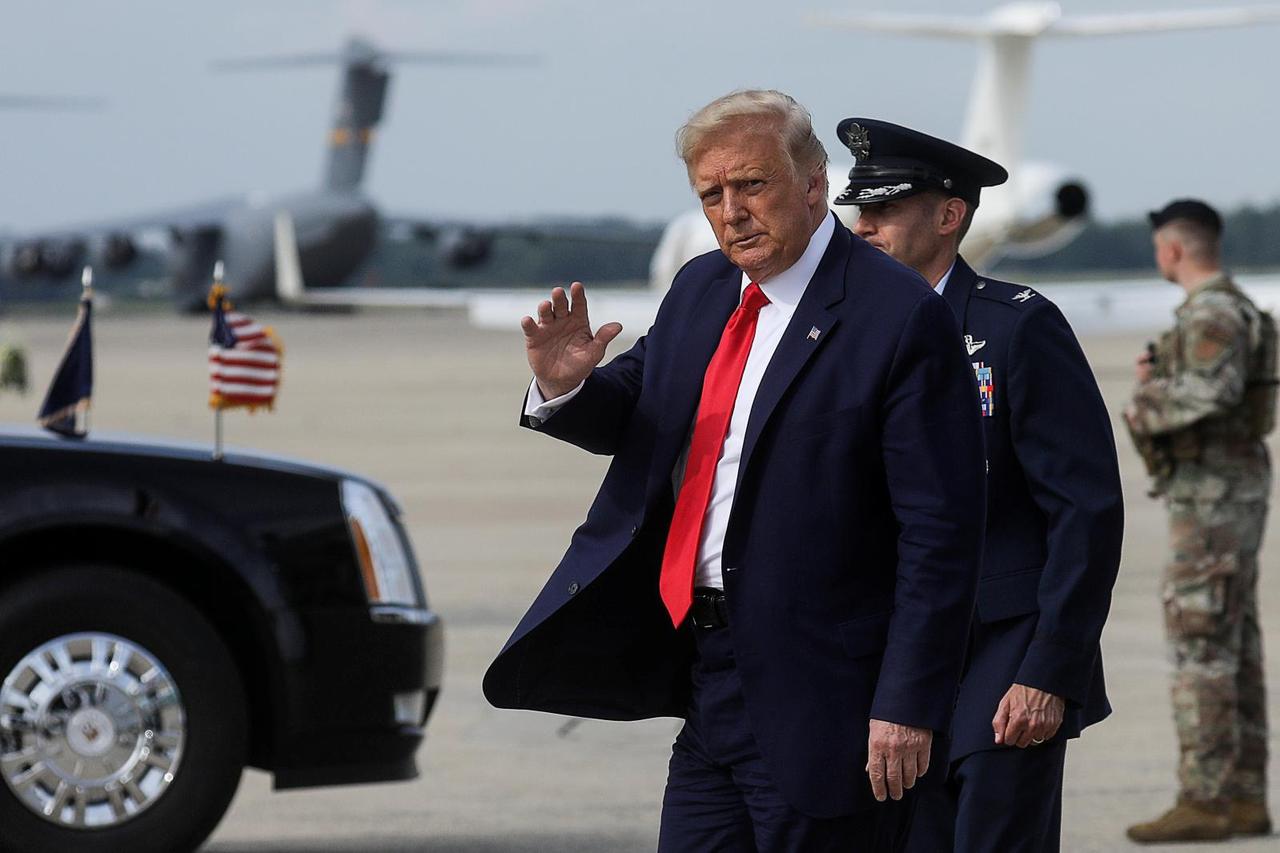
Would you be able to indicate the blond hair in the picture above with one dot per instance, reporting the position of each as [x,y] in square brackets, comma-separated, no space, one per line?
[756,107]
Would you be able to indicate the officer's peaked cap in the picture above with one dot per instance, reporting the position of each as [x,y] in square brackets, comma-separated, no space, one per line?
[895,162]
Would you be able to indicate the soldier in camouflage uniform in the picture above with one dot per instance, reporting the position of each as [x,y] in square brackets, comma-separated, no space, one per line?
[1204,400]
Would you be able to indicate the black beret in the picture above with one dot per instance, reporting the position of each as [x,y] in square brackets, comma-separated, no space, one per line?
[1187,208]
[896,162]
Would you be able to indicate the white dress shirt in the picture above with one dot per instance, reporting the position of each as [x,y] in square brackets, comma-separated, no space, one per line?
[784,292]
[942,283]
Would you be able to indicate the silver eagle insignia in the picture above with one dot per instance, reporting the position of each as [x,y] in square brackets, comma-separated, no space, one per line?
[1023,296]
[858,140]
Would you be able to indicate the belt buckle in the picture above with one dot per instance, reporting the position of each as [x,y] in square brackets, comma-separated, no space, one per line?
[709,610]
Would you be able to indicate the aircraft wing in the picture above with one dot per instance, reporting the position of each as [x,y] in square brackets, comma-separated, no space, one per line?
[1147,22]
[58,252]
[1047,20]
[209,214]
[430,230]
[460,248]
[939,26]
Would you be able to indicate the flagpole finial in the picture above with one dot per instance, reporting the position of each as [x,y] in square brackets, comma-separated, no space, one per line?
[218,291]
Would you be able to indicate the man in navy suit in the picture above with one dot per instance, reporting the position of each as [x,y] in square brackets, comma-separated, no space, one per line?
[1033,677]
[785,548]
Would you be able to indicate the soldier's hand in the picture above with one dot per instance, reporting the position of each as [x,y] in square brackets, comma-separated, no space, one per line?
[897,755]
[1027,716]
[561,348]
[1145,367]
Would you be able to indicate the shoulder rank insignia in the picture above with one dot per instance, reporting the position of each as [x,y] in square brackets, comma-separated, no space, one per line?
[973,346]
[1023,296]
[986,388]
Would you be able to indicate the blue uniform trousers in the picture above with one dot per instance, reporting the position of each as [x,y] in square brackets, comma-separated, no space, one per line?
[720,797]
[997,801]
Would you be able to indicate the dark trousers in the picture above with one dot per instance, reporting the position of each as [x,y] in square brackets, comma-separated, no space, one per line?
[1000,801]
[720,797]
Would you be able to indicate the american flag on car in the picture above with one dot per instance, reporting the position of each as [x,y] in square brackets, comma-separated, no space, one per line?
[244,358]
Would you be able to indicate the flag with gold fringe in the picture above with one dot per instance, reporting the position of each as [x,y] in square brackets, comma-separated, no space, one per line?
[245,358]
[66,404]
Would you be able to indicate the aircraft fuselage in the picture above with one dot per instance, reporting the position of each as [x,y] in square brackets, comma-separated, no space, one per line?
[336,231]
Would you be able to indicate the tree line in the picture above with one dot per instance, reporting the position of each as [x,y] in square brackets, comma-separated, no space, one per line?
[1251,241]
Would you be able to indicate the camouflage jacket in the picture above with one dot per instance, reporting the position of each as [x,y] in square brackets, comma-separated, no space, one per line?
[1194,403]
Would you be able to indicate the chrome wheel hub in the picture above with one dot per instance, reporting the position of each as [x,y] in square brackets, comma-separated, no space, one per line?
[92,730]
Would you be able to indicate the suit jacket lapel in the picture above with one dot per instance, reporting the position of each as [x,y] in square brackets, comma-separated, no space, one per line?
[689,357]
[799,341]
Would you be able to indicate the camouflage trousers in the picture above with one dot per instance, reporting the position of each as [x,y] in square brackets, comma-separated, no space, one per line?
[1211,618]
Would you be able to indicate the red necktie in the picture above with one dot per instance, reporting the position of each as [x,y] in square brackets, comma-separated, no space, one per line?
[719,391]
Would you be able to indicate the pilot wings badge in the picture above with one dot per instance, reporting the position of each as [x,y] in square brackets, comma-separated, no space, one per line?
[973,346]
[858,140]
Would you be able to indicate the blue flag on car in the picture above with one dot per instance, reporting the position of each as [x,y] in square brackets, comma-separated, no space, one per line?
[67,402]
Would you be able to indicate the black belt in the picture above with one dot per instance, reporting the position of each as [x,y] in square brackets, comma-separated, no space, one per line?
[709,608]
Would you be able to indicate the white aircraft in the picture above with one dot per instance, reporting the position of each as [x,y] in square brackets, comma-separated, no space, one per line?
[1043,206]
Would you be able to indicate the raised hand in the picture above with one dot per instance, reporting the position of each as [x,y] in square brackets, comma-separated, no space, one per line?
[561,348]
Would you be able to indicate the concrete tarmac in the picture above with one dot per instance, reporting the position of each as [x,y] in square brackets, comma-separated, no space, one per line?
[428,405]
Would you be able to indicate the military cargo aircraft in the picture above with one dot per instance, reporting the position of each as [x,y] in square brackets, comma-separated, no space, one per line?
[334,226]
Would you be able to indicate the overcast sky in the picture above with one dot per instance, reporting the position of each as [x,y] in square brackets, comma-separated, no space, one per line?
[1141,118]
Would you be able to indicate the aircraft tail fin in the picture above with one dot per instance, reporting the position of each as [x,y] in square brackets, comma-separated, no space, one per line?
[362,95]
[360,103]
[998,99]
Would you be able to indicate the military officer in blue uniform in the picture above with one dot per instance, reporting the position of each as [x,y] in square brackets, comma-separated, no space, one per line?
[1033,676]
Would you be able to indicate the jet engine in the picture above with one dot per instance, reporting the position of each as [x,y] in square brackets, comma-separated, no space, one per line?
[49,258]
[25,260]
[458,247]
[1042,212]
[118,250]
[465,248]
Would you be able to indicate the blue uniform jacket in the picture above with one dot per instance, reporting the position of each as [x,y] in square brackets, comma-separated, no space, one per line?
[1055,513]
[852,550]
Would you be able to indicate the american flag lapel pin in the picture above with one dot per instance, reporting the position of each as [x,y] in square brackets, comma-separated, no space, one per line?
[813,333]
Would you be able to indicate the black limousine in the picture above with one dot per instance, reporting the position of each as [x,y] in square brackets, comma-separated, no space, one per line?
[167,619]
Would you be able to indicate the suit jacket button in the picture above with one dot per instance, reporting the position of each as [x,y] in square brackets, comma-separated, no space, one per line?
[573,588]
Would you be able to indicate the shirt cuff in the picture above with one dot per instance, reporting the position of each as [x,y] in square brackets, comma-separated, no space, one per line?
[538,408]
